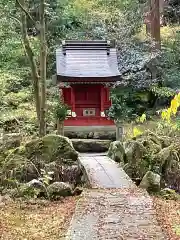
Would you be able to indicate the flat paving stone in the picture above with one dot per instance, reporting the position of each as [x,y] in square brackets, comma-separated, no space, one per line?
[104,214]
[104,172]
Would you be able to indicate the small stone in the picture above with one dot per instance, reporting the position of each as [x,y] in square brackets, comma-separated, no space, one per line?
[35,184]
[2,204]
[77,191]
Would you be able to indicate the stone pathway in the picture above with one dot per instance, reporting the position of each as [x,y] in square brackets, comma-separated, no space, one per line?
[104,172]
[114,208]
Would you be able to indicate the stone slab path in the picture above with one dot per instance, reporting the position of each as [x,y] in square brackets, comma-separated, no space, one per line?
[114,208]
[104,172]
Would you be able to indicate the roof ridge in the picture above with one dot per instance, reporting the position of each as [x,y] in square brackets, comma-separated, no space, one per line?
[86,45]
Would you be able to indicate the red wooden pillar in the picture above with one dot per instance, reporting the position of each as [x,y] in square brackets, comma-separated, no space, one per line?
[102,98]
[72,99]
[102,101]
[108,99]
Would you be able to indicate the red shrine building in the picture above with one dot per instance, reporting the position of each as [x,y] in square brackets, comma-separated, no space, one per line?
[85,72]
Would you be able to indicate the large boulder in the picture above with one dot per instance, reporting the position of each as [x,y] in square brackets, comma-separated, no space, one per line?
[65,173]
[137,165]
[162,159]
[161,141]
[150,145]
[9,141]
[116,152]
[92,134]
[59,189]
[25,163]
[51,148]
[171,174]
[151,182]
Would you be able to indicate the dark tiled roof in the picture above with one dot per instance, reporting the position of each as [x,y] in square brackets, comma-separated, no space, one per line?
[86,59]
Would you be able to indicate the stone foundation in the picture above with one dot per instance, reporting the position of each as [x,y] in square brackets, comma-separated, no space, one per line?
[91,132]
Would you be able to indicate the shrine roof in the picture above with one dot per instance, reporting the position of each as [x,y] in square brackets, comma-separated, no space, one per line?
[86,59]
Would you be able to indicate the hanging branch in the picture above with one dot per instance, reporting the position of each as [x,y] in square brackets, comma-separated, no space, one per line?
[26,12]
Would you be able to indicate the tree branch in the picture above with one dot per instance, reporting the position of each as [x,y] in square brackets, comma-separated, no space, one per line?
[26,12]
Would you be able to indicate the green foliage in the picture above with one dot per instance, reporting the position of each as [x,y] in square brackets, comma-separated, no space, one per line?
[172,12]
[170,59]
[162,91]
[128,104]
[119,109]
[61,111]
[120,20]
[46,177]
[15,99]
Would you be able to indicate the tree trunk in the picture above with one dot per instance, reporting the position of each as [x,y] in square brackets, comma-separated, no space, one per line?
[60,124]
[155,23]
[33,65]
[60,127]
[148,17]
[43,53]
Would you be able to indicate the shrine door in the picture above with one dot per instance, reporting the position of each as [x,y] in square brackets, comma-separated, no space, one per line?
[87,100]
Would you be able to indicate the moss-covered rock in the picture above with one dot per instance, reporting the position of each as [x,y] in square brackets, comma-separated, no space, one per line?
[65,173]
[59,189]
[151,182]
[91,145]
[169,194]
[116,151]
[135,153]
[171,173]
[25,163]
[150,146]
[51,148]
[161,159]
[149,152]
[158,140]
[11,140]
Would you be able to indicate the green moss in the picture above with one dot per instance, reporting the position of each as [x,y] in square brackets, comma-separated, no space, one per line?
[51,148]
[25,162]
[116,151]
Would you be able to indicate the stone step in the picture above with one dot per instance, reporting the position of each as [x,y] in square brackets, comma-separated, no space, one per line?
[91,145]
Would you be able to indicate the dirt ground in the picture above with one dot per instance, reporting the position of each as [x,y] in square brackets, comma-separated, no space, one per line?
[34,220]
[168,214]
